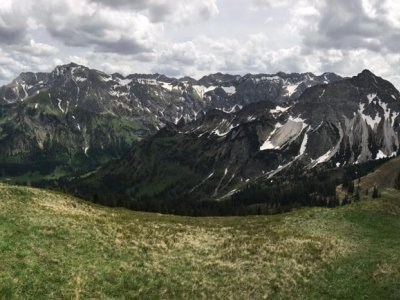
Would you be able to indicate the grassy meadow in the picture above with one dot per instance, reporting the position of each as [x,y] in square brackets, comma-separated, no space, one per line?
[54,246]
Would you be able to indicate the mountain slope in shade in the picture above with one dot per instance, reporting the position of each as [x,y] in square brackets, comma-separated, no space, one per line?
[346,122]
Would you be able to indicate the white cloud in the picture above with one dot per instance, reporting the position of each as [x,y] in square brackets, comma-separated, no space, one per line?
[177,11]
[38,49]
[270,3]
[79,60]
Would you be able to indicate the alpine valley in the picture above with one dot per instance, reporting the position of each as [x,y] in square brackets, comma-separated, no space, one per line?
[224,144]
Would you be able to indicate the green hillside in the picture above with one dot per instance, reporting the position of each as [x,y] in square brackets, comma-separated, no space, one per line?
[384,176]
[55,246]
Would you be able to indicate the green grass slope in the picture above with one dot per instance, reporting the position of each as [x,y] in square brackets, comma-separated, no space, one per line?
[54,246]
[384,176]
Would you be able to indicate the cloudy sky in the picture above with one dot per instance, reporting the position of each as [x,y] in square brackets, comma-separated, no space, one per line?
[198,37]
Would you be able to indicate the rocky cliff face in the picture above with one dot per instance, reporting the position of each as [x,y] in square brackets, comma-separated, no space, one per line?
[344,122]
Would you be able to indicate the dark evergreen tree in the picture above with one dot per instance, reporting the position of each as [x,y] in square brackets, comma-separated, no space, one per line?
[95,198]
[346,200]
[337,202]
[397,182]
[375,192]
[350,188]
[357,194]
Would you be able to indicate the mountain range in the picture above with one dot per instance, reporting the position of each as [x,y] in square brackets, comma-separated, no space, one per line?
[146,137]
[75,116]
[331,125]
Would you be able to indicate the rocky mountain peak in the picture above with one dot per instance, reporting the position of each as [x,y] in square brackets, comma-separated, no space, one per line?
[366,72]
[217,78]
[69,67]
[367,78]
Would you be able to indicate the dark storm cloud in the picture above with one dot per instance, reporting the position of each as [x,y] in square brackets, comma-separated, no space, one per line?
[345,24]
[13,29]
[80,24]
[12,35]
[95,35]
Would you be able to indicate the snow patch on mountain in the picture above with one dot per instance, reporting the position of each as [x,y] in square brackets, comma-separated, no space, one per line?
[59,105]
[303,145]
[291,89]
[80,78]
[167,86]
[124,82]
[267,145]
[380,155]
[385,108]
[202,182]
[232,109]
[201,89]
[86,150]
[105,77]
[322,94]
[372,122]
[323,158]
[279,109]
[147,81]
[230,90]
[394,117]
[24,87]
[285,134]
[118,94]
[371,97]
